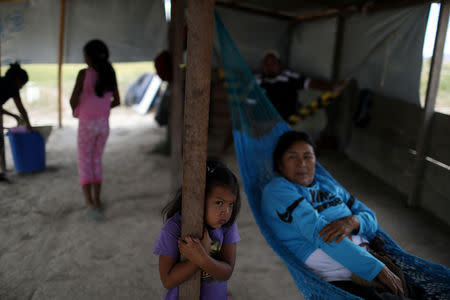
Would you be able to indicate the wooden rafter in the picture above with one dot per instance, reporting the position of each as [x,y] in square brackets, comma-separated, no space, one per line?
[366,7]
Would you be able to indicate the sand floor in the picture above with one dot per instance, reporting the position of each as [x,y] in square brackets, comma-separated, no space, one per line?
[50,249]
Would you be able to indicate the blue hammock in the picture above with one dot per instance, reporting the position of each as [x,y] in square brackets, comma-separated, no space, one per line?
[256,129]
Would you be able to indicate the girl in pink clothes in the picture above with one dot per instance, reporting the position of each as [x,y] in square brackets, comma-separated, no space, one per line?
[94,94]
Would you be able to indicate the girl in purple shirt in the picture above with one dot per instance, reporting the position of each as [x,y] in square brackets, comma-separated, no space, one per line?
[215,253]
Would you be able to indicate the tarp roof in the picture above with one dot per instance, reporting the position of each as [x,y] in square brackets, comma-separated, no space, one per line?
[382,50]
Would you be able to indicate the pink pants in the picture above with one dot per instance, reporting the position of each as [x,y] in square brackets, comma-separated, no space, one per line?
[92,136]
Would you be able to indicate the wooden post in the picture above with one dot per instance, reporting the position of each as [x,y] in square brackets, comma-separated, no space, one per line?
[176,101]
[2,138]
[430,101]
[2,147]
[337,47]
[196,113]
[60,58]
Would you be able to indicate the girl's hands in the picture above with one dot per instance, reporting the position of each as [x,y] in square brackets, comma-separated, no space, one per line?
[339,229]
[194,249]
[391,280]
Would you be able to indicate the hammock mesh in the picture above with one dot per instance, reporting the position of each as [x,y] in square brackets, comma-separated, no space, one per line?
[256,129]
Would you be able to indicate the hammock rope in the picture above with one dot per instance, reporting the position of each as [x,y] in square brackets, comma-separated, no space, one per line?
[256,129]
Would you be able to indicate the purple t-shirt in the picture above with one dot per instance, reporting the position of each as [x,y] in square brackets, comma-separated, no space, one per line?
[167,244]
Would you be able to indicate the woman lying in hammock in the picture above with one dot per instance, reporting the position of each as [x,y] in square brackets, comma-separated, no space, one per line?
[327,228]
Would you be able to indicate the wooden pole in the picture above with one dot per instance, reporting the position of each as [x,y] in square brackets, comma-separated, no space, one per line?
[337,47]
[176,105]
[196,113]
[2,138]
[2,147]
[430,101]
[60,58]
[369,7]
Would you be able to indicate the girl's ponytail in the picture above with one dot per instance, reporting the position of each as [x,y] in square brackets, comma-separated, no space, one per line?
[98,54]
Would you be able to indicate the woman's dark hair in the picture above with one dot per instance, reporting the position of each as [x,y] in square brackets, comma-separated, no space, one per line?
[98,54]
[15,72]
[217,174]
[285,141]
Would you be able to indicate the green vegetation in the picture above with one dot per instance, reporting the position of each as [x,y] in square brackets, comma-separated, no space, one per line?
[443,97]
[44,76]
[41,93]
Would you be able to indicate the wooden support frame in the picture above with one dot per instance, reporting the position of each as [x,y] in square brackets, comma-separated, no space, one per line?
[2,147]
[176,101]
[337,47]
[326,13]
[430,101]
[2,138]
[196,114]
[60,58]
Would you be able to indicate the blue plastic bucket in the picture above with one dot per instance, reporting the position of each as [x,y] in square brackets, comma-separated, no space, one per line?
[28,151]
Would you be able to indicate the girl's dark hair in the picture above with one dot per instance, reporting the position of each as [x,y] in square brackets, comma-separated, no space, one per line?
[285,141]
[15,72]
[217,174]
[98,54]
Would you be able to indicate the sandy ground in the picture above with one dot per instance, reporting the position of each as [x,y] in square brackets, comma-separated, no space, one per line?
[50,249]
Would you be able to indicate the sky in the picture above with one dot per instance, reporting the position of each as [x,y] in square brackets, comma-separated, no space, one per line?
[430,34]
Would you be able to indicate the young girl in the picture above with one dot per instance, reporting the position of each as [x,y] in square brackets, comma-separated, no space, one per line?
[215,253]
[94,94]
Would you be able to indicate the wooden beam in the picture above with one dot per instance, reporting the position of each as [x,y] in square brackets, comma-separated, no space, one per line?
[2,138]
[368,7]
[430,101]
[196,113]
[337,47]
[62,18]
[6,1]
[255,9]
[2,147]
[330,12]
[177,101]
[387,5]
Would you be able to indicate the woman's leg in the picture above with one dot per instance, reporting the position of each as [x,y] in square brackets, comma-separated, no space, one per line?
[102,137]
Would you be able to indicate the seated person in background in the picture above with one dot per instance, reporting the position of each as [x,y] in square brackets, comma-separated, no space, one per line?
[281,86]
[324,226]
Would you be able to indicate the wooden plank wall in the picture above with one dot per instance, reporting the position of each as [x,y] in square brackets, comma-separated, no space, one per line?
[385,147]
[440,138]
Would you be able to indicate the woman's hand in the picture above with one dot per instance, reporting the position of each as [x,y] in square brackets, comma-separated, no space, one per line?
[391,280]
[339,229]
[192,249]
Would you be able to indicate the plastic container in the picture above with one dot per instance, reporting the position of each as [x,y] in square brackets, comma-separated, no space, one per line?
[28,151]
